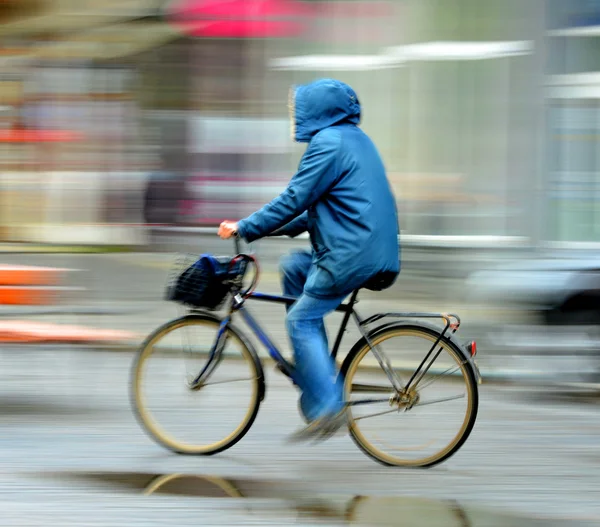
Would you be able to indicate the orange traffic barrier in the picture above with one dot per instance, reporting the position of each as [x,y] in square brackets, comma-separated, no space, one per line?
[32,296]
[18,331]
[30,286]
[29,275]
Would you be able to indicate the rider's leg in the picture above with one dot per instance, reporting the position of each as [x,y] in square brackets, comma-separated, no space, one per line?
[317,371]
[294,269]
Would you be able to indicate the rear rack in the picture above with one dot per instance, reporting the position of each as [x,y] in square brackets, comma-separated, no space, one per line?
[447,317]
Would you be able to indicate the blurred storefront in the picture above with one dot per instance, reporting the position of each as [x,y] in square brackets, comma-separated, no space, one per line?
[75,70]
[452,96]
[573,123]
[485,112]
[237,144]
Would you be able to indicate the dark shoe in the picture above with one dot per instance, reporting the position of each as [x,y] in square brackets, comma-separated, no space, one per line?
[320,429]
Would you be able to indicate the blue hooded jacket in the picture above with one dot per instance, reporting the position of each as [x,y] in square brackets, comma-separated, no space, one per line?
[340,194]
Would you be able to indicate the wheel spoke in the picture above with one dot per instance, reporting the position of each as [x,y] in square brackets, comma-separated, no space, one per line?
[450,370]
[368,416]
[228,381]
[443,400]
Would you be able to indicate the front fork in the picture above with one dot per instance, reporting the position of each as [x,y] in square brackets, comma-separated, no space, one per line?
[215,356]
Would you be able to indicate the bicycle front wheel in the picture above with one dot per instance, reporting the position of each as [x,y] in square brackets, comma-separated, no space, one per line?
[187,417]
[432,419]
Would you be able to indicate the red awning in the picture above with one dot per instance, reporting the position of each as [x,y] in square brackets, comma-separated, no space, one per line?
[241,18]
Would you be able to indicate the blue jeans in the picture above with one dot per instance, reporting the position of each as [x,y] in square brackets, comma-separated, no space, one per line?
[322,392]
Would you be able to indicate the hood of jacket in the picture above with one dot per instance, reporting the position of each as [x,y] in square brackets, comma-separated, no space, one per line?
[319,105]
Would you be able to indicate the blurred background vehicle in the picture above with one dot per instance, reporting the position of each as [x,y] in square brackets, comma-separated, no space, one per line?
[554,329]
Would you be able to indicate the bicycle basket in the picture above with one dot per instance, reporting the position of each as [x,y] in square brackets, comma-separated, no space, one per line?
[205,283]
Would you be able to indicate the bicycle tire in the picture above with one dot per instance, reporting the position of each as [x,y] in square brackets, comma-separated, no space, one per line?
[378,335]
[142,414]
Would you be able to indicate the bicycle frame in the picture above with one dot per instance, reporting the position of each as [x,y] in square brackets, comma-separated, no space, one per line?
[346,308]
[237,305]
[272,349]
[349,311]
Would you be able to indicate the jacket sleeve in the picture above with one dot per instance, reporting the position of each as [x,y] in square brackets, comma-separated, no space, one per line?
[293,228]
[316,173]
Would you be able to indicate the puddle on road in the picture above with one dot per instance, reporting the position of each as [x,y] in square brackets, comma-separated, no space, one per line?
[346,509]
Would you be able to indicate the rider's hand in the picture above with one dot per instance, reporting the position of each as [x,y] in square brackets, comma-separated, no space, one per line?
[227,229]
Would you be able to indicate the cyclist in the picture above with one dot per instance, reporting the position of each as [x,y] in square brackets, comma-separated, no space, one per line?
[341,196]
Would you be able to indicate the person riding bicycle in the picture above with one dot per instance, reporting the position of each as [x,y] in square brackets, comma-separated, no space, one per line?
[341,196]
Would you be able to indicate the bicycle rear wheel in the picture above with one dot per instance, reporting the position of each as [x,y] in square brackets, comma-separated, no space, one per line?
[189,419]
[432,420]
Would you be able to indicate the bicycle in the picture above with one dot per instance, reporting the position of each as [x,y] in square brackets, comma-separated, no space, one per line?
[367,383]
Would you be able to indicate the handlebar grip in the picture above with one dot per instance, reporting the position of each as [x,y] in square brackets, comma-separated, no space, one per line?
[236,241]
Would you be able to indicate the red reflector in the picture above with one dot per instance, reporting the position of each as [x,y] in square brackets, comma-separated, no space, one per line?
[473,348]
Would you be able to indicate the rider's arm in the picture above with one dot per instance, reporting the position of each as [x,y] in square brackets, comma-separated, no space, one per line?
[293,228]
[316,173]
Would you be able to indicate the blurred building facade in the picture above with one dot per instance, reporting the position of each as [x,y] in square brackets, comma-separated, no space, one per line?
[485,112]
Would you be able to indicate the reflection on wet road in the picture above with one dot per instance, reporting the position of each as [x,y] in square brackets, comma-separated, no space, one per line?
[259,496]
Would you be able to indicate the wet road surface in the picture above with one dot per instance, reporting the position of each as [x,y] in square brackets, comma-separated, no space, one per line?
[72,453]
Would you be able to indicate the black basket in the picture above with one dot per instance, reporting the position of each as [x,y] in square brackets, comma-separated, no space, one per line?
[203,282]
